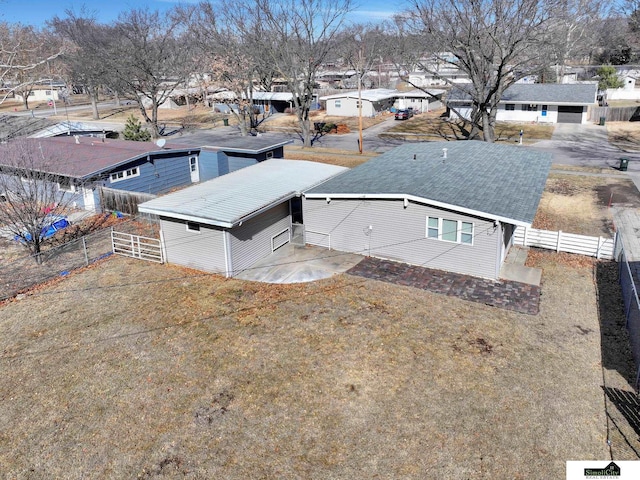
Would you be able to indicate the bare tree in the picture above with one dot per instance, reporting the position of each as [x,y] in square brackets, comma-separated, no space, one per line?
[232,52]
[31,194]
[495,42]
[86,58]
[572,29]
[24,53]
[150,57]
[296,37]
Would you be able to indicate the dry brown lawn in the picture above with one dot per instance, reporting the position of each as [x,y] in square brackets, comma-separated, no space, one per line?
[331,156]
[347,124]
[432,126]
[624,135]
[580,203]
[131,369]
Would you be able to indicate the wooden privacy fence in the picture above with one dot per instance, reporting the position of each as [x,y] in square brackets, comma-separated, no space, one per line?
[614,114]
[135,246]
[599,247]
[113,200]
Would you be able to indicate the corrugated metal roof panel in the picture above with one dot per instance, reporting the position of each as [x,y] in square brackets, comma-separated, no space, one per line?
[229,199]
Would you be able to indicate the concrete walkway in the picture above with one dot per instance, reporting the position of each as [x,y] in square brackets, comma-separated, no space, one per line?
[516,296]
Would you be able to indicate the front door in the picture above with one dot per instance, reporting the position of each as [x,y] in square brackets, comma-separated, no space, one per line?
[195,171]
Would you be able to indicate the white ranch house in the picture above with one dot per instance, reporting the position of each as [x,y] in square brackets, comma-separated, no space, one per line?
[538,103]
[374,101]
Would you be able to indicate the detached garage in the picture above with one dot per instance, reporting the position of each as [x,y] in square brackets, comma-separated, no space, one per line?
[227,224]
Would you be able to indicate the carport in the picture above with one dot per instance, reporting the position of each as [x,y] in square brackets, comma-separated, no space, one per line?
[229,223]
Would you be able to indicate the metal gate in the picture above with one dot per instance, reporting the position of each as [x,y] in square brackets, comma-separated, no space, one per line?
[135,246]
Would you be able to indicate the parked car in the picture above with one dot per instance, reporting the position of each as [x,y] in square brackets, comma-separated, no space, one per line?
[404,114]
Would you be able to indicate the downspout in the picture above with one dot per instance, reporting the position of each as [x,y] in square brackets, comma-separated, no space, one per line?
[228,263]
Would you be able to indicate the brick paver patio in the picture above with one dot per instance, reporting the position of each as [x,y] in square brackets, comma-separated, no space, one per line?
[510,295]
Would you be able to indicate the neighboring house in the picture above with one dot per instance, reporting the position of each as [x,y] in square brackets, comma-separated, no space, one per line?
[83,165]
[443,77]
[418,100]
[451,206]
[227,224]
[235,153]
[40,94]
[539,102]
[347,104]
[267,102]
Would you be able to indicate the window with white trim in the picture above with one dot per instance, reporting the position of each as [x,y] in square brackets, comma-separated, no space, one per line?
[449,230]
[124,174]
[510,106]
[193,227]
[65,185]
[337,103]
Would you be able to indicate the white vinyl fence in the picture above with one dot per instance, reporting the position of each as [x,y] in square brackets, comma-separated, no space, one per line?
[599,247]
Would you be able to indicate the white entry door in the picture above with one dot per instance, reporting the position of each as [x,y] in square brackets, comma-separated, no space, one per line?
[195,171]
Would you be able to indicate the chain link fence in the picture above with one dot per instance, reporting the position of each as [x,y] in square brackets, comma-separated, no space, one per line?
[629,276]
[22,273]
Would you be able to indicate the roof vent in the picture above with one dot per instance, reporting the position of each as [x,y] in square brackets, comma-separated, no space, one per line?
[414,156]
[77,137]
[444,153]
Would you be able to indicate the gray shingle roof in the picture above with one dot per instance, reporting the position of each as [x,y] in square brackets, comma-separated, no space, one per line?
[497,181]
[237,196]
[555,93]
[540,93]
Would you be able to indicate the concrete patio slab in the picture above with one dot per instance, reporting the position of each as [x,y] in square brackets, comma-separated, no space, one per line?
[298,264]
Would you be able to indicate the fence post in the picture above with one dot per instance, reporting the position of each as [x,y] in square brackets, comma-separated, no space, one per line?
[84,247]
[600,243]
[558,241]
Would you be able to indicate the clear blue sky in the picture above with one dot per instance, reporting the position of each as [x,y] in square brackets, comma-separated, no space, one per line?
[37,12]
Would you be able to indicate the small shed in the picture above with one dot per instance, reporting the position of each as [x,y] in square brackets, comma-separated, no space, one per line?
[227,224]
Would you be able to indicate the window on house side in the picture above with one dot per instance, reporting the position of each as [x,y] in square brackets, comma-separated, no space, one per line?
[510,106]
[131,172]
[447,230]
[193,227]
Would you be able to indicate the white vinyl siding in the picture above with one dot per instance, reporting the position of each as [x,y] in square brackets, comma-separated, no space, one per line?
[398,234]
[203,251]
[447,230]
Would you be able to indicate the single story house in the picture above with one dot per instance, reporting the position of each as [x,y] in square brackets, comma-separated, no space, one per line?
[234,153]
[538,102]
[451,206]
[81,166]
[419,100]
[346,104]
[227,224]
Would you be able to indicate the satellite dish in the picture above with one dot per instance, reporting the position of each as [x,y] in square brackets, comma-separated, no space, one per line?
[161,142]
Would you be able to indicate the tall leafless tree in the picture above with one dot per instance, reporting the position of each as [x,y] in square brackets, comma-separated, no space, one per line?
[150,57]
[86,58]
[31,193]
[495,42]
[25,53]
[296,37]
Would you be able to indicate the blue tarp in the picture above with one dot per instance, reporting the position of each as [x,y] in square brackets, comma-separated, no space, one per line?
[56,223]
